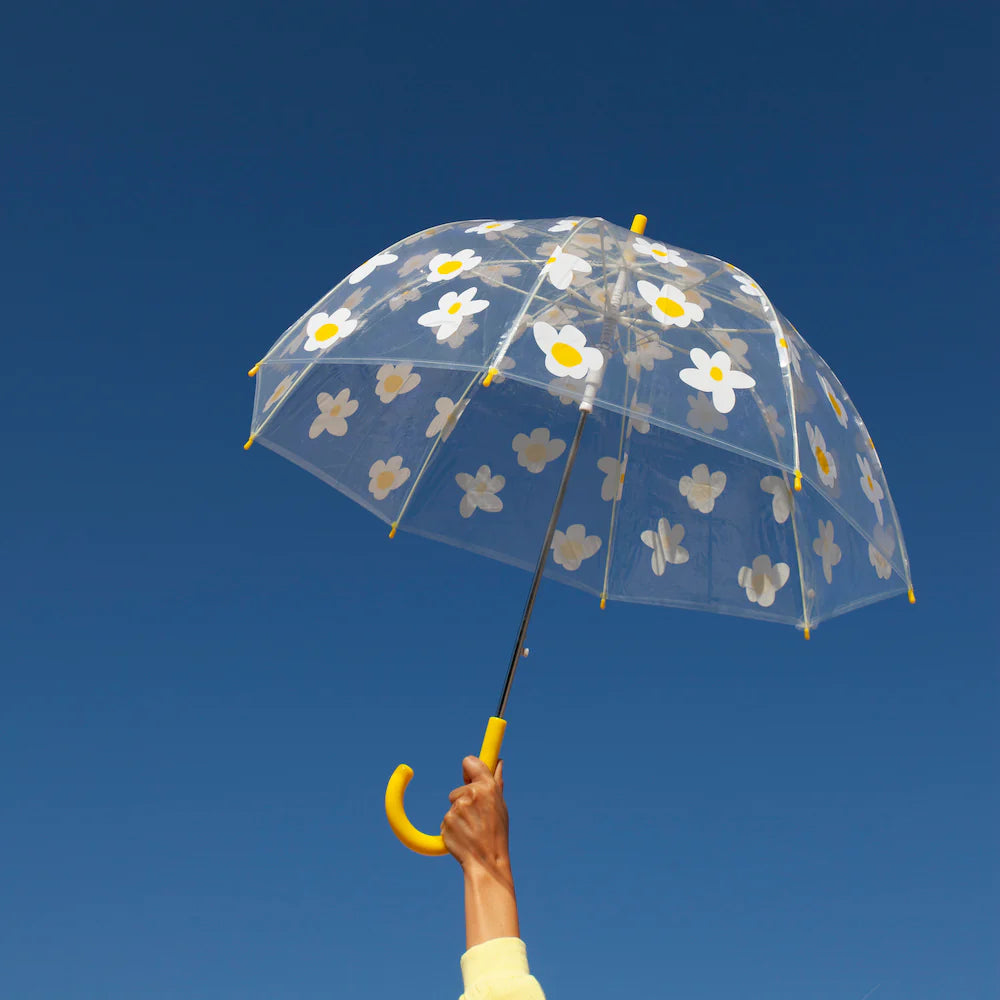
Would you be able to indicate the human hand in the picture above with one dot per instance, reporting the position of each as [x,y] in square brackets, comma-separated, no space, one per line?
[475,828]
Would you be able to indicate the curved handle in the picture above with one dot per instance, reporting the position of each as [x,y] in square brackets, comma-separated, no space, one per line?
[395,810]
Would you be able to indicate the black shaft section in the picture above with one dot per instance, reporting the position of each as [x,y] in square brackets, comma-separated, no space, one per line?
[540,567]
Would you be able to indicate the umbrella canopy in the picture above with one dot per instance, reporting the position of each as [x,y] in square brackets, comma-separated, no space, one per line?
[723,466]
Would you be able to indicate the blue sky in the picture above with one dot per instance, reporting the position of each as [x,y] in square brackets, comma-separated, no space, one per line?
[212,662]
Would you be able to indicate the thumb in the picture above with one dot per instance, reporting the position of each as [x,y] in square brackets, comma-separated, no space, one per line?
[473,768]
[498,775]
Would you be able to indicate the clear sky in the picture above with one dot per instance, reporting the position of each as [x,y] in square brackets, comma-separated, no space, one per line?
[212,662]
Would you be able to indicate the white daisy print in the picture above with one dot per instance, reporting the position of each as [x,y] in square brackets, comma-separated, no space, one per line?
[571,547]
[452,308]
[566,351]
[835,403]
[826,466]
[669,305]
[279,390]
[333,413]
[747,285]
[362,272]
[480,492]
[492,227]
[733,346]
[788,353]
[637,415]
[762,581]
[703,416]
[666,545]
[774,425]
[324,330]
[446,266]
[448,414]
[398,301]
[658,252]
[567,390]
[648,351]
[827,549]
[387,476]
[614,476]
[561,266]
[564,226]
[534,452]
[394,380]
[781,503]
[702,488]
[872,487]
[716,375]
[881,552]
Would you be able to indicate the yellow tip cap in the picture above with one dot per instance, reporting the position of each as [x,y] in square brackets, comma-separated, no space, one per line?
[639,224]
[604,603]
[246,447]
[392,530]
[798,480]
[911,596]
[253,371]
[490,374]
[805,632]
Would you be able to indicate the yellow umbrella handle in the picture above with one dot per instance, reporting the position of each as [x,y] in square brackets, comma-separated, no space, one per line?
[395,810]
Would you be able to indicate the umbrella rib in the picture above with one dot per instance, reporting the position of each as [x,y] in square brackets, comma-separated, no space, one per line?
[430,453]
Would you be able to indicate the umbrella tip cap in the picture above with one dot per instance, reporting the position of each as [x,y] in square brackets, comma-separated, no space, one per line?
[805,633]
[489,375]
[604,603]
[250,441]
[911,596]
[253,371]
[392,529]
[639,224]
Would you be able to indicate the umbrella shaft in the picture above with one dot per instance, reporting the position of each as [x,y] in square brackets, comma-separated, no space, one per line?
[540,567]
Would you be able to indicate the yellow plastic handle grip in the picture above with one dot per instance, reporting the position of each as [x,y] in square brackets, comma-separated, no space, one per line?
[395,810]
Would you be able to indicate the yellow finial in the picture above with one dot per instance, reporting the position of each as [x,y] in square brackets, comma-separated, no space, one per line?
[805,632]
[253,371]
[798,480]
[490,374]
[250,439]
[604,601]
[639,224]
[911,596]
[392,531]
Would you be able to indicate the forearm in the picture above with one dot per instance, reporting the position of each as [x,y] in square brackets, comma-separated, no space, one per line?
[490,904]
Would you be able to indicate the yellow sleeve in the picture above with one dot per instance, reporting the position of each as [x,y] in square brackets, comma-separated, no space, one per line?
[498,970]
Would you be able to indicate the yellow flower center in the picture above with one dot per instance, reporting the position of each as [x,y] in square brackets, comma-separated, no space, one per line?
[715,372]
[566,354]
[871,485]
[454,308]
[834,403]
[671,307]
[822,461]
[393,383]
[449,267]
[384,480]
[326,332]
[535,452]
[492,225]
[781,343]
[335,412]
[551,260]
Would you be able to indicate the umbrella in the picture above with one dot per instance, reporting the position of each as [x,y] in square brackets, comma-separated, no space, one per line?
[570,388]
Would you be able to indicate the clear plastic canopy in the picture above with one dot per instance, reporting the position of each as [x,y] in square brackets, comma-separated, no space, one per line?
[706,403]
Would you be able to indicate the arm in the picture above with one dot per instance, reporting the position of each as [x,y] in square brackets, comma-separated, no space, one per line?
[475,830]
[495,964]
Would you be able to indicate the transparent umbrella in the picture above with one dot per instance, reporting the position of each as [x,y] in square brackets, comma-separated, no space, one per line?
[569,396]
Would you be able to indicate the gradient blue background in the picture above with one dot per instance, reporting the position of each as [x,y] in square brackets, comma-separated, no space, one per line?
[212,661]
